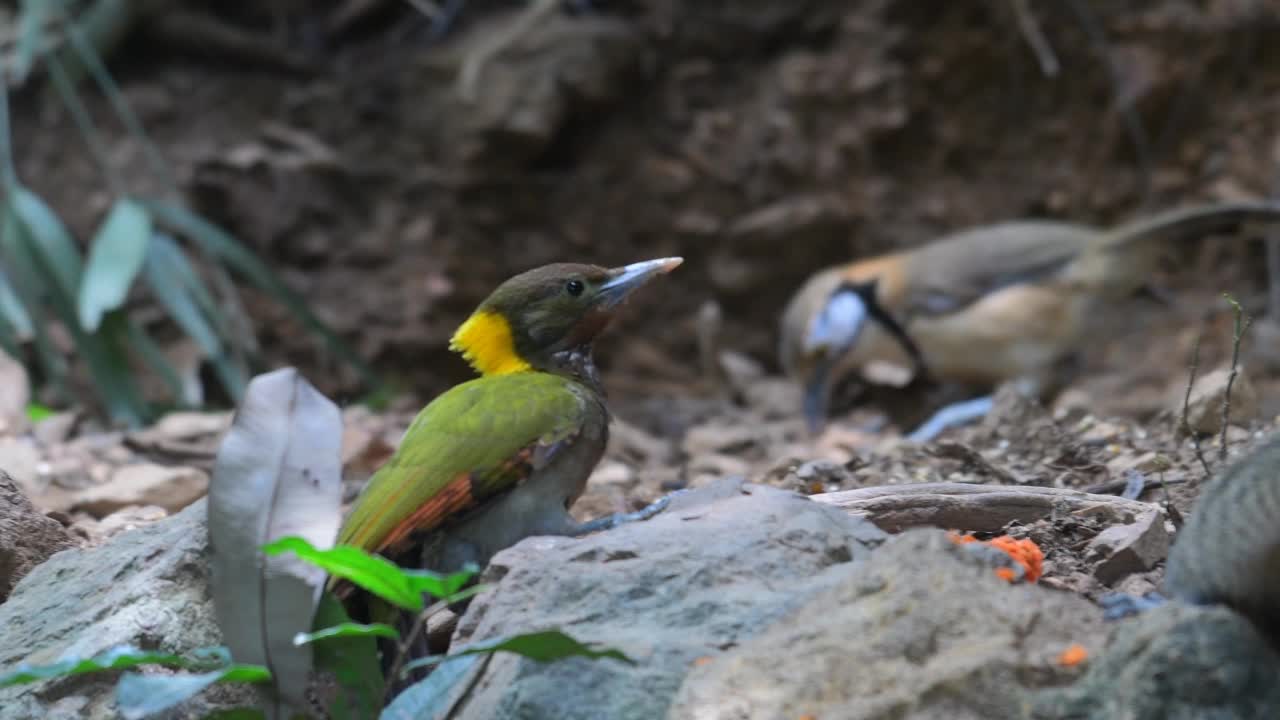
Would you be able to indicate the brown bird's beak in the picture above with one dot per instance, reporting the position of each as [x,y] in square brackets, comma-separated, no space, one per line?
[628,278]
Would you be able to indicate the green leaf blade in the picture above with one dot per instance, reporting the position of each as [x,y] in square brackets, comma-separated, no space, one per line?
[226,248]
[371,572]
[50,240]
[115,258]
[121,657]
[440,586]
[139,696]
[348,630]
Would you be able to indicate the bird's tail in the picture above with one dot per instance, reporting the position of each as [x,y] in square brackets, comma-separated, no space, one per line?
[1123,258]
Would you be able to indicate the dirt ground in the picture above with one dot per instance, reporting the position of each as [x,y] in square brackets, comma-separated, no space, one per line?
[759,140]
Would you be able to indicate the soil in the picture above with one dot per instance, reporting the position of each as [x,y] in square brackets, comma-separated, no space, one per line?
[761,141]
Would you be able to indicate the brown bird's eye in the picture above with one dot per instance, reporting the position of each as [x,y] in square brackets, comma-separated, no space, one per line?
[574,287]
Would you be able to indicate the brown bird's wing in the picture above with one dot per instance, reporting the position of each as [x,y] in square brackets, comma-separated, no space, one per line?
[959,269]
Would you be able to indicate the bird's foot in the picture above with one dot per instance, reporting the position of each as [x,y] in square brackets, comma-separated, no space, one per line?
[950,416]
[609,522]
[1117,605]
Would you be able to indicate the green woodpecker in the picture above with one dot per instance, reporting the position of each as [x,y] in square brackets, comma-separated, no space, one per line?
[502,457]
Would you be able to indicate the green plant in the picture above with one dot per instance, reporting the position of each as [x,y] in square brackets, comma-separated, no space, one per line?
[154,242]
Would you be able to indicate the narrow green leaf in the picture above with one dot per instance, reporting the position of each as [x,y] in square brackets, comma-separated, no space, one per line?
[138,696]
[25,279]
[371,572]
[48,253]
[9,339]
[222,245]
[435,695]
[353,660]
[50,240]
[544,646]
[174,259]
[31,34]
[440,586]
[107,355]
[12,311]
[115,257]
[37,412]
[169,277]
[236,714]
[347,630]
[117,658]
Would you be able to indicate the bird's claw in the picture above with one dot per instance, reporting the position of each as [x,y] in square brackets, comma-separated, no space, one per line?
[610,522]
[1118,605]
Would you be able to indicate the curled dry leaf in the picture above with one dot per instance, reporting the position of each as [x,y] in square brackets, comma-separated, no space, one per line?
[278,473]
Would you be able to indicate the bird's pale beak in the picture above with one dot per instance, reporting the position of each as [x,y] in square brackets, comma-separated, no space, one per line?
[628,278]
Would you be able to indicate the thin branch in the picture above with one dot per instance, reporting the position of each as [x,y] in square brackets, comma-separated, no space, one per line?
[1186,406]
[402,651]
[1132,123]
[80,114]
[474,63]
[1242,323]
[1035,38]
[121,106]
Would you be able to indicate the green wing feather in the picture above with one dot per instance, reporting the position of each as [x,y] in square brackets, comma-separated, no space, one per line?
[470,443]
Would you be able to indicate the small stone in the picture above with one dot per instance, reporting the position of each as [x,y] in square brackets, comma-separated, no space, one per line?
[612,472]
[1122,550]
[172,488]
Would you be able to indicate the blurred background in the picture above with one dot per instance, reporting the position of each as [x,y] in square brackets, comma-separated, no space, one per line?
[373,168]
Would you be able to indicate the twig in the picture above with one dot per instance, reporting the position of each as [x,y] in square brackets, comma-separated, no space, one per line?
[1035,38]
[473,64]
[402,650]
[1186,406]
[1241,326]
[1132,123]
[65,87]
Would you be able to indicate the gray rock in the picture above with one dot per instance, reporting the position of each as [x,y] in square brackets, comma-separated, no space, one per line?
[924,629]
[146,588]
[27,536]
[1121,550]
[713,570]
[1175,662]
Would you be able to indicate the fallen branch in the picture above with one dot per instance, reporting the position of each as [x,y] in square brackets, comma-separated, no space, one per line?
[1035,38]
[974,508]
[473,65]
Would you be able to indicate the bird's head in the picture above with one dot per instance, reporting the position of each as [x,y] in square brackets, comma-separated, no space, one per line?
[546,318]
[820,332]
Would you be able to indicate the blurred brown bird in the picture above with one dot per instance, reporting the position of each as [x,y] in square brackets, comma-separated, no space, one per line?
[996,303]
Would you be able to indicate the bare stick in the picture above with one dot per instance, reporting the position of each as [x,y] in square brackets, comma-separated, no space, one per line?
[1132,123]
[1242,323]
[402,651]
[1186,406]
[1035,38]
[473,64]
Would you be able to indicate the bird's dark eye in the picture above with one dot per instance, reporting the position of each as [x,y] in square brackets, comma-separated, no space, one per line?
[574,287]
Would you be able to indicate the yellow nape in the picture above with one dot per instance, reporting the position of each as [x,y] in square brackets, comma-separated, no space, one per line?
[485,341]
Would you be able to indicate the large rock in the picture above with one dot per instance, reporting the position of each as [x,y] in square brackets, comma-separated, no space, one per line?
[27,536]
[924,629]
[1175,662]
[712,571]
[147,588]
